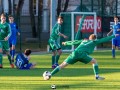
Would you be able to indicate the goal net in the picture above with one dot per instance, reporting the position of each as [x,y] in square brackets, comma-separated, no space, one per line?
[78,25]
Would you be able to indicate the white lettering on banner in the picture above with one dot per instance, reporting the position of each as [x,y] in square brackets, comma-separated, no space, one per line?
[88,24]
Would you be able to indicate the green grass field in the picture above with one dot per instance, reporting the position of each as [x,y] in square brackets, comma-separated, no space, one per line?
[74,77]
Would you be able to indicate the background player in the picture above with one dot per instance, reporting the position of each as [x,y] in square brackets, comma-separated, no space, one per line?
[22,60]
[116,40]
[53,42]
[81,53]
[5,33]
[13,37]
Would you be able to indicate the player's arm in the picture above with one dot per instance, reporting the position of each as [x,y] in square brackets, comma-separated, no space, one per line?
[108,38]
[60,34]
[110,32]
[18,31]
[75,42]
[9,33]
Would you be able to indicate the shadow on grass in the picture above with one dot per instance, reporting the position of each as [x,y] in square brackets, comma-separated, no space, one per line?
[67,72]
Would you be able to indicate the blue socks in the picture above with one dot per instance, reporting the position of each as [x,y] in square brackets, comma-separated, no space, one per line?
[113,53]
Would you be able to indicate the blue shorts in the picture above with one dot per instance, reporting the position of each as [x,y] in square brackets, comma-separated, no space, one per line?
[12,42]
[116,42]
[27,66]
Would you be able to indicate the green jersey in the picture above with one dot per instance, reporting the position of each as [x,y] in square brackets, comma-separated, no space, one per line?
[55,32]
[88,45]
[5,31]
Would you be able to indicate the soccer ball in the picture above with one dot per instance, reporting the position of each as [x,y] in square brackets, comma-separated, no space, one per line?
[47,75]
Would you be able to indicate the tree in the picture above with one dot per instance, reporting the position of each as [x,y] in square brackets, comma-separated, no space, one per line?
[18,11]
[59,7]
[10,7]
[40,4]
[66,5]
[32,18]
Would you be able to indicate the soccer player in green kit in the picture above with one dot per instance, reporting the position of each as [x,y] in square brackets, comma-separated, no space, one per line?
[5,33]
[81,54]
[53,42]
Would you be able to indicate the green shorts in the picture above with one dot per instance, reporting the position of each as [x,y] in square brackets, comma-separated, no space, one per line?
[4,45]
[75,57]
[54,45]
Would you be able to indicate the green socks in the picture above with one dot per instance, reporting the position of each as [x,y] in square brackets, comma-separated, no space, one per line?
[53,60]
[95,69]
[57,69]
[57,58]
[1,57]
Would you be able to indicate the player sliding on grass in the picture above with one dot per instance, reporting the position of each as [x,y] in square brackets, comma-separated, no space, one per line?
[81,53]
[22,60]
[5,33]
[13,37]
[116,40]
[53,42]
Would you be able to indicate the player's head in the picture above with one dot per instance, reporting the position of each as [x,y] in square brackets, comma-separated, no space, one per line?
[92,37]
[27,52]
[11,19]
[60,20]
[116,19]
[3,18]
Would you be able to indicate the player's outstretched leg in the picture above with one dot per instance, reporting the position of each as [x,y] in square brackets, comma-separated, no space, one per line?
[57,69]
[97,77]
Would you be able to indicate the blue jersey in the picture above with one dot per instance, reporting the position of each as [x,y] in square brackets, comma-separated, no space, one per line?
[116,40]
[14,30]
[21,61]
[115,28]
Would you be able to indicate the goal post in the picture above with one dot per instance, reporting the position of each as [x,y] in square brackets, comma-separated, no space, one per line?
[78,25]
[76,22]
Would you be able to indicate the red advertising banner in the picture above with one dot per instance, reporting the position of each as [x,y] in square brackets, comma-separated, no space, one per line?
[88,25]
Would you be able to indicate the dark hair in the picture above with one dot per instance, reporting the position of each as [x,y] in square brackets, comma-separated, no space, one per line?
[2,15]
[60,17]
[116,17]
[27,52]
[10,16]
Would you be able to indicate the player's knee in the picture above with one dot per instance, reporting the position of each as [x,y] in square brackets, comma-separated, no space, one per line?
[64,64]
[93,61]
[59,52]
[113,47]
[54,53]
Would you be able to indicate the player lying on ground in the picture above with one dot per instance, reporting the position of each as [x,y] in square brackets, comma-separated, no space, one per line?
[22,60]
[81,53]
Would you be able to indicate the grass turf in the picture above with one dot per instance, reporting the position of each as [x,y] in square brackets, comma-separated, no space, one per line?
[74,77]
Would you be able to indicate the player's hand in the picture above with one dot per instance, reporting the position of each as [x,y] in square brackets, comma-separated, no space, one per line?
[6,38]
[117,35]
[108,34]
[118,29]
[63,43]
[18,33]
[65,37]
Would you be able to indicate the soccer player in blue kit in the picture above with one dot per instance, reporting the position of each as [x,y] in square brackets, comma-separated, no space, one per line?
[116,40]
[22,60]
[13,38]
